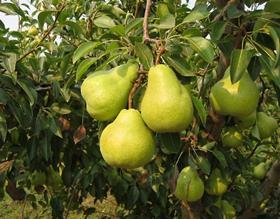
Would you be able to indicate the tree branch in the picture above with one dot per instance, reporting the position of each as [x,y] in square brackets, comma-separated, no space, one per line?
[46,34]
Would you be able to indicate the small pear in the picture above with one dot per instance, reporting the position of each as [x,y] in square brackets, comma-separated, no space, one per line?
[232,138]
[127,142]
[216,184]
[238,100]
[106,92]
[260,170]
[229,210]
[189,187]
[267,125]
[247,121]
[166,105]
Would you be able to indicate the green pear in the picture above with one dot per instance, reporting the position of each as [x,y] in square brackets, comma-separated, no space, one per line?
[232,138]
[216,184]
[189,187]
[238,100]
[166,105]
[267,125]
[247,121]
[229,210]
[260,170]
[106,92]
[127,142]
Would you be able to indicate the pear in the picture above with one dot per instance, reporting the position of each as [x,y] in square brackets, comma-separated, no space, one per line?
[189,187]
[228,209]
[238,100]
[127,142]
[266,125]
[106,92]
[166,105]
[232,138]
[216,184]
[247,121]
[260,170]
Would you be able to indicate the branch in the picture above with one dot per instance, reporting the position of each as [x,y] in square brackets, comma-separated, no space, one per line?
[223,11]
[136,85]
[46,34]
[146,37]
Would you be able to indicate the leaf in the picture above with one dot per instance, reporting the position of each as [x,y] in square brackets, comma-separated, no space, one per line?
[272,6]
[170,143]
[144,54]
[84,49]
[208,147]
[53,126]
[233,12]
[30,92]
[204,164]
[179,64]
[218,29]
[42,17]
[3,97]
[3,127]
[6,165]
[240,60]
[135,23]
[166,19]
[274,32]
[104,21]
[61,108]
[254,67]
[198,13]
[84,66]
[203,47]
[79,134]
[10,62]
[133,195]
[119,30]
[75,27]
[198,104]
[4,7]
[220,157]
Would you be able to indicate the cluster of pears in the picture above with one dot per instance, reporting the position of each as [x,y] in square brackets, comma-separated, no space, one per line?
[128,141]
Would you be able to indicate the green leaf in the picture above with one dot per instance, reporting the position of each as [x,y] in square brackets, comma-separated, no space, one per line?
[234,12]
[170,143]
[199,12]
[179,64]
[208,147]
[218,29]
[254,67]
[4,7]
[3,97]
[134,24]
[203,47]
[30,92]
[84,49]
[75,27]
[144,54]
[119,30]
[240,60]
[42,17]
[3,127]
[10,62]
[54,126]
[61,108]
[274,32]
[198,104]
[220,157]
[204,164]
[104,21]
[272,6]
[166,19]
[84,66]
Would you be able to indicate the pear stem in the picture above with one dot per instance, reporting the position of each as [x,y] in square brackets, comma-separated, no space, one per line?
[136,85]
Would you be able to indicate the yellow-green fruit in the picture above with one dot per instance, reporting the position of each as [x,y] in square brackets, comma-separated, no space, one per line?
[166,105]
[267,125]
[32,31]
[38,178]
[232,138]
[127,142]
[239,99]
[216,184]
[228,209]
[106,92]
[247,121]
[260,170]
[189,187]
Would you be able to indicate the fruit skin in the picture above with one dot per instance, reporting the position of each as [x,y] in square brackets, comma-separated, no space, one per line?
[166,105]
[228,209]
[232,138]
[238,100]
[267,125]
[247,121]
[260,170]
[127,142]
[32,31]
[106,92]
[216,184]
[190,187]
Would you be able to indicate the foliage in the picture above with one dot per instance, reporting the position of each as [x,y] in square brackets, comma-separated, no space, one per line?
[45,128]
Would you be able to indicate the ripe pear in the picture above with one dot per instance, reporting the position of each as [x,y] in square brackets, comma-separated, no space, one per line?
[216,184]
[127,142]
[247,121]
[266,125]
[232,138]
[260,170]
[189,187]
[228,209]
[106,92]
[238,100]
[166,105]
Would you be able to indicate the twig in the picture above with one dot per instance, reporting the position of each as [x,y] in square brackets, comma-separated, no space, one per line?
[253,151]
[221,14]
[160,51]
[46,34]
[146,37]
[136,85]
